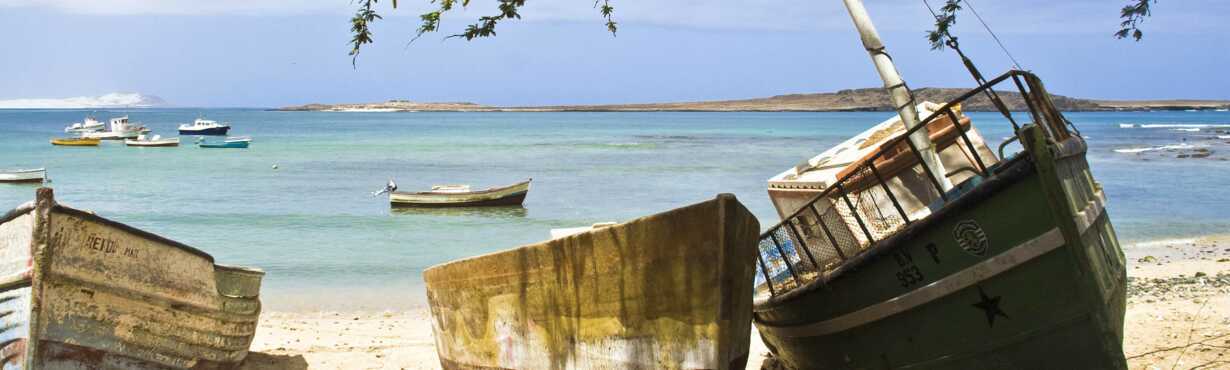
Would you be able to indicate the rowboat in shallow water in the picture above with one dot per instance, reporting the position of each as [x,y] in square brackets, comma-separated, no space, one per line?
[74,141]
[155,141]
[237,142]
[30,175]
[78,291]
[462,196]
[667,291]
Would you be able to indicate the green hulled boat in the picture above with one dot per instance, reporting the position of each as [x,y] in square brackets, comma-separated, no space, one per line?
[917,247]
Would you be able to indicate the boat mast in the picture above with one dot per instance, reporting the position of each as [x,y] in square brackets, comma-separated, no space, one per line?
[900,94]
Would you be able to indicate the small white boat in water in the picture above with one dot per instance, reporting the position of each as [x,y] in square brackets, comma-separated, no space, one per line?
[157,140]
[202,126]
[1127,125]
[120,128]
[90,124]
[26,175]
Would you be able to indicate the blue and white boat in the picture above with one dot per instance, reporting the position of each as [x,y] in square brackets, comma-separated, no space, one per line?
[202,126]
[239,142]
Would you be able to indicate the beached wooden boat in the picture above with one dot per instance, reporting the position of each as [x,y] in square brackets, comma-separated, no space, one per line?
[462,196]
[78,291]
[667,291]
[74,141]
[919,248]
[156,141]
[27,175]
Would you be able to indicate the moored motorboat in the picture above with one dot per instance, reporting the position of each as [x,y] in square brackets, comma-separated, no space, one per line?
[89,124]
[155,141]
[238,142]
[119,128]
[83,292]
[462,196]
[202,126]
[918,248]
[23,175]
[75,141]
[667,291]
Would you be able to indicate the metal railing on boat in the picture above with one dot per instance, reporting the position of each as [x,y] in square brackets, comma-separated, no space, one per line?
[848,217]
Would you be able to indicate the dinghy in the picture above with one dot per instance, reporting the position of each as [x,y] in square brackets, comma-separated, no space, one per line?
[74,141]
[19,175]
[155,141]
[915,246]
[462,196]
[667,291]
[237,142]
[79,291]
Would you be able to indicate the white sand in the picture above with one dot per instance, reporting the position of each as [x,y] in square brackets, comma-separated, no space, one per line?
[1187,326]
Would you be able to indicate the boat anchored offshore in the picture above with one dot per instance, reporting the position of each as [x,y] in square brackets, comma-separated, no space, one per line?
[90,124]
[84,292]
[667,291]
[74,141]
[154,141]
[119,128]
[462,196]
[913,246]
[237,142]
[26,175]
[202,126]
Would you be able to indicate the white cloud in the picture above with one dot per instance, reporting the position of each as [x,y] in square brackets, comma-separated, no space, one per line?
[181,7]
[112,100]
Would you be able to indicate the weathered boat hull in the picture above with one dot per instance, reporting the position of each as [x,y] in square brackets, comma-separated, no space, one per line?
[83,292]
[1048,290]
[29,176]
[667,291]
[512,195]
[1018,267]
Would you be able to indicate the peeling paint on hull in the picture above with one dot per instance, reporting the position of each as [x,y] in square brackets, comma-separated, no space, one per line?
[667,291]
[78,291]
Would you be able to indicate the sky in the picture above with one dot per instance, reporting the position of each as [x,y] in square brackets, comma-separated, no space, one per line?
[269,53]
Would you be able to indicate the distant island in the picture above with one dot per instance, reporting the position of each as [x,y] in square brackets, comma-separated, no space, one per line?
[853,100]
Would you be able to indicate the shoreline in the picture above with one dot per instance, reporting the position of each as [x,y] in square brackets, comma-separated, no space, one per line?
[1178,315]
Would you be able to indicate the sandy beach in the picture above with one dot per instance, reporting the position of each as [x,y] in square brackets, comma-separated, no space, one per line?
[1178,318]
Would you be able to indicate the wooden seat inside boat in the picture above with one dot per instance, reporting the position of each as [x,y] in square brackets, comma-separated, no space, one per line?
[897,155]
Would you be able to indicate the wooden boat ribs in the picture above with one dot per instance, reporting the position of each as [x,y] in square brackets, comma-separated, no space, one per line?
[876,197]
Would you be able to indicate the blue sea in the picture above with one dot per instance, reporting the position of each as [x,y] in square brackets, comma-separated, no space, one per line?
[327,244]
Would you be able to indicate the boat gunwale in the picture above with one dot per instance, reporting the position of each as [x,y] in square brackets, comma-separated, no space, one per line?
[1008,173]
[20,170]
[90,216]
[477,192]
[721,197]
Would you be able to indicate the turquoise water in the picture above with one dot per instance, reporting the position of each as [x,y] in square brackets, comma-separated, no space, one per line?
[326,243]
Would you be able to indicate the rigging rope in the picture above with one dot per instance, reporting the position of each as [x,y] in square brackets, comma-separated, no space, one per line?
[970,5]
[988,28]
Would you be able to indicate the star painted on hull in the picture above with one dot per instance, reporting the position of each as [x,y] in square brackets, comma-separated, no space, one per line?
[990,306]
